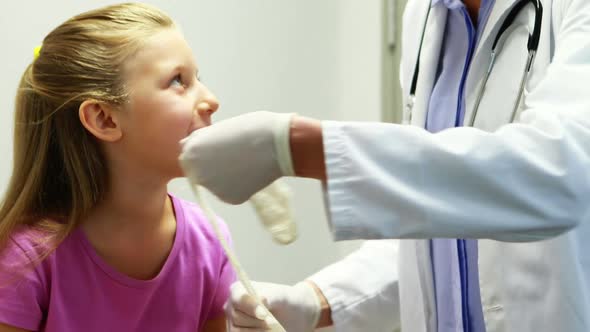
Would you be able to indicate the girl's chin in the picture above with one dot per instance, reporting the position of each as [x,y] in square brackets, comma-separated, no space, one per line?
[177,173]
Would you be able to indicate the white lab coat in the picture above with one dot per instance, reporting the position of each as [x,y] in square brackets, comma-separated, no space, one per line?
[362,288]
[523,187]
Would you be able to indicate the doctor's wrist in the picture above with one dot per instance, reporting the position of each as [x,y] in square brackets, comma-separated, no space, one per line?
[325,316]
[307,149]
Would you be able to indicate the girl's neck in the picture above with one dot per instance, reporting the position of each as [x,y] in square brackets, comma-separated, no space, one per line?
[133,228]
[131,205]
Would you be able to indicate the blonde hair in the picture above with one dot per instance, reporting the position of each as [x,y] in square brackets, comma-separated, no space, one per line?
[59,172]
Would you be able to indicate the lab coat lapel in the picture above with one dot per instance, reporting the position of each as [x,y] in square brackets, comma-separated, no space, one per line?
[481,61]
[429,60]
[499,12]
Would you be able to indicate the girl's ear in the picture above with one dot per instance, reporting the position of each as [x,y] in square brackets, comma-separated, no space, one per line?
[101,120]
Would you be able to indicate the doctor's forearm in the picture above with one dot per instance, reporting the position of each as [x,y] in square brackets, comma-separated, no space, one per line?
[307,150]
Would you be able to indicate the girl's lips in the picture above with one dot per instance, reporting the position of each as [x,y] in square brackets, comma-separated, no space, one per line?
[200,123]
[192,129]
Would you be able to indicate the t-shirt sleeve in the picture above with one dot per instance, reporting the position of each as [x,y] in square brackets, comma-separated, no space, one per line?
[227,276]
[22,289]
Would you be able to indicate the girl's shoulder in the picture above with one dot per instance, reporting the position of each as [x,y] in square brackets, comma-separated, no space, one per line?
[193,215]
[24,278]
[199,231]
[26,249]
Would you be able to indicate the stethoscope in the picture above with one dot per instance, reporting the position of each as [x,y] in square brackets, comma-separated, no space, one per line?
[532,45]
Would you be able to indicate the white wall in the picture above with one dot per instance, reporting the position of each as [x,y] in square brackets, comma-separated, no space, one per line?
[316,58]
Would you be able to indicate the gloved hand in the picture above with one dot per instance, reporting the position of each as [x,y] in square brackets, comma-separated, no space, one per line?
[297,307]
[237,157]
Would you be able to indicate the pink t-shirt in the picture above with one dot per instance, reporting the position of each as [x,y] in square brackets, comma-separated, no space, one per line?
[74,289]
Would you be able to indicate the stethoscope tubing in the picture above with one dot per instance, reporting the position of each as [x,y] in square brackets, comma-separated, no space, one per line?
[532,47]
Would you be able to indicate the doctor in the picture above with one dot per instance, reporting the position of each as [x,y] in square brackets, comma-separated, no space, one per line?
[519,180]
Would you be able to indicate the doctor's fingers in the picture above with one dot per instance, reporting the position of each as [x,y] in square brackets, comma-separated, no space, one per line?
[242,320]
[244,302]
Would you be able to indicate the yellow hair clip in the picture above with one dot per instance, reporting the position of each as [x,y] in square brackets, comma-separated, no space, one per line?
[37,51]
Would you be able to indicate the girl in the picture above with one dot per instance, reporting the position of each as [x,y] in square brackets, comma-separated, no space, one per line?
[90,239]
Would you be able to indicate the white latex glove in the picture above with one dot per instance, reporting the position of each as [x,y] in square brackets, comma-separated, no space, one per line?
[237,157]
[297,307]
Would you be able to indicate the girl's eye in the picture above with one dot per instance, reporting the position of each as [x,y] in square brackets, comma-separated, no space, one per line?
[177,80]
